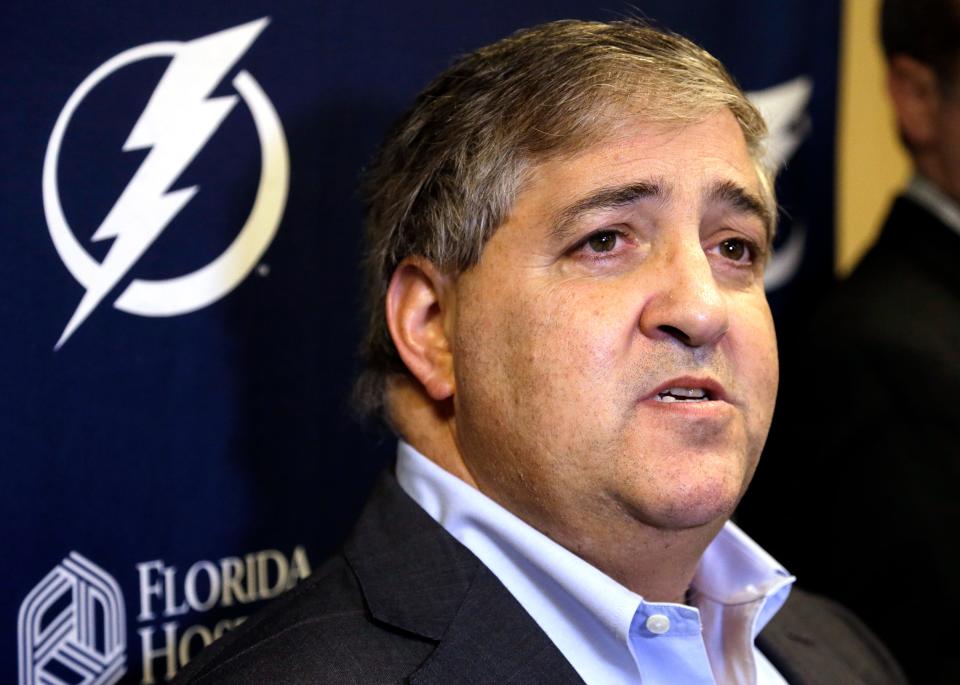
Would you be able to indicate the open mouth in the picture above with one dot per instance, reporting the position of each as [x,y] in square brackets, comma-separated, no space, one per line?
[684,395]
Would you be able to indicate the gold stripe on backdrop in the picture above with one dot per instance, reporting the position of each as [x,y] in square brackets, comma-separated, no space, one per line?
[871,165]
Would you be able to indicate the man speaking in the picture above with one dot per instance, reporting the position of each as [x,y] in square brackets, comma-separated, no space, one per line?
[569,335]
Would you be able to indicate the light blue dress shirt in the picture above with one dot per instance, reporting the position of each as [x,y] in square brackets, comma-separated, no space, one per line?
[609,634]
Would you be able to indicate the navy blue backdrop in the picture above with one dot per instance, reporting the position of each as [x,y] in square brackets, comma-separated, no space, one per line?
[180,303]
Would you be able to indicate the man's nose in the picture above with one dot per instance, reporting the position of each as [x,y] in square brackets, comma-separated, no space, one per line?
[685,301]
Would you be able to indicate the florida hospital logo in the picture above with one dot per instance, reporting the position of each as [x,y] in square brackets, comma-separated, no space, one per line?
[72,627]
[177,122]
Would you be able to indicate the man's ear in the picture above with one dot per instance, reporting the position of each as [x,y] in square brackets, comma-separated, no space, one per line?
[915,94]
[419,301]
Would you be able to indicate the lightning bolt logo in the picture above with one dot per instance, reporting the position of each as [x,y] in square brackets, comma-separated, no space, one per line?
[176,124]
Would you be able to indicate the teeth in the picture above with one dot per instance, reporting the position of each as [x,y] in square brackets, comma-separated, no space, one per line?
[687,392]
[682,394]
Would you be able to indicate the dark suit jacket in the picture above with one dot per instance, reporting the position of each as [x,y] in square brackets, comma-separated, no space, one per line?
[405,602]
[857,491]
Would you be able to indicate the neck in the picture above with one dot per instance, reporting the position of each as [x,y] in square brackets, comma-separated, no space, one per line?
[655,563]
[426,425]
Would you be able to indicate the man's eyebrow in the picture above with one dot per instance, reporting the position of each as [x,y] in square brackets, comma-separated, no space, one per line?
[603,199]
[741,200]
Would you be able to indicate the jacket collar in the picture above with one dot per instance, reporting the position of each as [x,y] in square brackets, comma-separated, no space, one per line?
[797,654]
[415,577]
[914,230]
[809,642]
[926,194]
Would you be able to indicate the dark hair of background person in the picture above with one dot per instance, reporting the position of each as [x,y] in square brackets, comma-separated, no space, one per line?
[926,30]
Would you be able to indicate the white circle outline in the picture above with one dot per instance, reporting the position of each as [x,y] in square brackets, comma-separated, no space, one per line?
[208,284]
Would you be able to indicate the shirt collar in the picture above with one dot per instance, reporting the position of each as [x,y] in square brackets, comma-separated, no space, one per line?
[735,570]
[922,191]
[587,614]
[501,539]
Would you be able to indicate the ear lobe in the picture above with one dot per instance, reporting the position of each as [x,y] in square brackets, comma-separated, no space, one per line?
[916,99]
[418,304]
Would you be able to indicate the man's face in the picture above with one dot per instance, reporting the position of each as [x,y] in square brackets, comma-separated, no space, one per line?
[622,273]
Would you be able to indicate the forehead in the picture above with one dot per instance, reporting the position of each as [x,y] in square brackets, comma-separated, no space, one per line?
[682,155]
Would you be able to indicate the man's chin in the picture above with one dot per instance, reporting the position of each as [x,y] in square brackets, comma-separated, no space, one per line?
[706,506]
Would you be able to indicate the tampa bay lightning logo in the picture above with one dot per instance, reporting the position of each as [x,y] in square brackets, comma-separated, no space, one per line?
[175,125]
[784,107]
[72,627]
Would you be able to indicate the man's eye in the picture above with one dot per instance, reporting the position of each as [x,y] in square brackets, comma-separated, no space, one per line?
[736,250]
[604,241]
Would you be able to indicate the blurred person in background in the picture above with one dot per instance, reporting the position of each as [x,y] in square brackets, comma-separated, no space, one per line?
[859,494]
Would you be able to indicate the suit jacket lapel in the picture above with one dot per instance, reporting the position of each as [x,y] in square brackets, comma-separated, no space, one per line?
[797,655]
[911,229]
[813,641]
[493,640]
[416,577]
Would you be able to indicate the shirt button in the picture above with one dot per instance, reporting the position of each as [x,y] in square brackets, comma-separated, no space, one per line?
[658,624]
